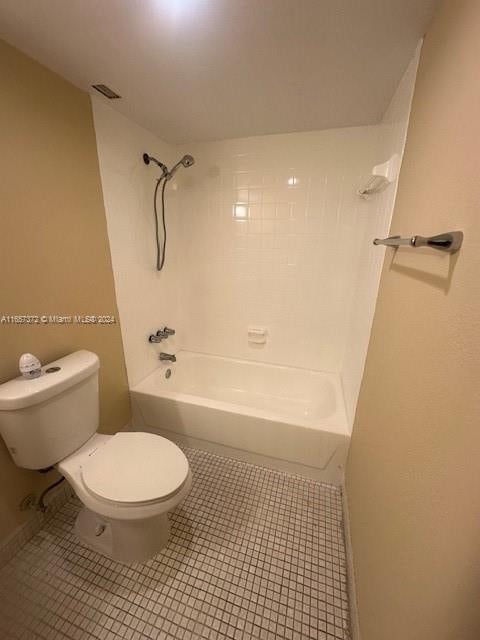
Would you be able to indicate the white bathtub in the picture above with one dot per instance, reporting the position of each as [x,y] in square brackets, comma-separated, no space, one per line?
[285,418]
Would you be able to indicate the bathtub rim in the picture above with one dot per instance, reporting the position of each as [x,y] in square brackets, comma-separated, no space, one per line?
[336,422]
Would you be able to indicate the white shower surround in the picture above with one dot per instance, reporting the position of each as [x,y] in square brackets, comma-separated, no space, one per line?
[301,265]
[392,133]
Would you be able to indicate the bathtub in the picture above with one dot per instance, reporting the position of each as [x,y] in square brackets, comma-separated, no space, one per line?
[281,417]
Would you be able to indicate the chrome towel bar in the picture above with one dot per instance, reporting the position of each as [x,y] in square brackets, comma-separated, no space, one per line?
[450,242]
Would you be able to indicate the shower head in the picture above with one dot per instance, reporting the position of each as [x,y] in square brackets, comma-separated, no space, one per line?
[186,162]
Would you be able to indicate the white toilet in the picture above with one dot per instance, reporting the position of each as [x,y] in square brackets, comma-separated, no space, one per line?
[127,482]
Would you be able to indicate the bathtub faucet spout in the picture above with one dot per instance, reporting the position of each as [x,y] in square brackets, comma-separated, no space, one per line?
[167,357]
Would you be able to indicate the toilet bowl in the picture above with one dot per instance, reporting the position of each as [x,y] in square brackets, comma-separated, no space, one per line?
[127,482]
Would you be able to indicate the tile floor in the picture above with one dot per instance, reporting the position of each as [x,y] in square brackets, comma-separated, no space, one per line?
[254,553]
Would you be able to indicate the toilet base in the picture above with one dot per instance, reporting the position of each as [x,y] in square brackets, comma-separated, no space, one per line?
[123,540]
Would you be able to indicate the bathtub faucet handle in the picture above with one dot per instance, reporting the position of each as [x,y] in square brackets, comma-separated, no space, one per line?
[162,334]
[157,337]
[167,357]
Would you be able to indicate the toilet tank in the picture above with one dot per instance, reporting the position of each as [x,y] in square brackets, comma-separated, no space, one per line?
[44,419]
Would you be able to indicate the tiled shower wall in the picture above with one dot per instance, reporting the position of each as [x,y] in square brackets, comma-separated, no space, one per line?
[270,238]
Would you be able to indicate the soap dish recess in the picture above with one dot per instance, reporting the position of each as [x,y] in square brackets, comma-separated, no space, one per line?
[257,335]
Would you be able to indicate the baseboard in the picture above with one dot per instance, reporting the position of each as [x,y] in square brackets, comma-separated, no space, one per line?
[352,594]
[22,534]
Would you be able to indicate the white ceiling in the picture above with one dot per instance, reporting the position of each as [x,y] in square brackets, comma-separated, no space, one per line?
[193,70]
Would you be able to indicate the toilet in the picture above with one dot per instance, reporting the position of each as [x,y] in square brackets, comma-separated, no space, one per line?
[127,482]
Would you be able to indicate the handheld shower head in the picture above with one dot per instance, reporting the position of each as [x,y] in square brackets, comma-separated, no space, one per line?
[186,162]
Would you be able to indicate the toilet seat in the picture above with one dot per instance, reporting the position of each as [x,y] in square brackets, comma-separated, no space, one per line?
[135,469]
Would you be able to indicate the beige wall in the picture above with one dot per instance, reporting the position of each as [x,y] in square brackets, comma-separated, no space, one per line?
[413,477]
[54,253]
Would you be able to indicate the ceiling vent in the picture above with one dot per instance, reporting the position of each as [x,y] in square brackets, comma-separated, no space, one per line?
[106,91]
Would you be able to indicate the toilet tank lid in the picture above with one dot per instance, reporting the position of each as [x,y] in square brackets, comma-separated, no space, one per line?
[22,392]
